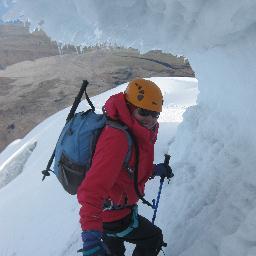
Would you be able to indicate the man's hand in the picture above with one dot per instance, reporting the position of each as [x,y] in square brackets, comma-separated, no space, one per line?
[163,170]
[92,244]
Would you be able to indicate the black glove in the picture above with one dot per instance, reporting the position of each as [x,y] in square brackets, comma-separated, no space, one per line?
[163,170]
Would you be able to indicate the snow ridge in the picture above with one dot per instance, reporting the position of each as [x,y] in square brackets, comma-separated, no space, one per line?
[14,165]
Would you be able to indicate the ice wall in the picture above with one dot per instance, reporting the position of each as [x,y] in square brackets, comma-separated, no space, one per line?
[214,151]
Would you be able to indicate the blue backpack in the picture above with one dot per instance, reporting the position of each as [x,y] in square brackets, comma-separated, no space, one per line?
[76,144]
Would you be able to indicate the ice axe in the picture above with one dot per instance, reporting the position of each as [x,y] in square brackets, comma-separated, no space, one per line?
[156,202]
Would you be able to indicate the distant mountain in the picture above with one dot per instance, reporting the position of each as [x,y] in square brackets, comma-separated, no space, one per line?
[30,91]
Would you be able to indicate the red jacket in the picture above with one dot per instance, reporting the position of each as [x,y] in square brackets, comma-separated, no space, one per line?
[107,178]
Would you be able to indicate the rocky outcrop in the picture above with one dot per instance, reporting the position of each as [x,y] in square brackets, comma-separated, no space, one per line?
[18,44]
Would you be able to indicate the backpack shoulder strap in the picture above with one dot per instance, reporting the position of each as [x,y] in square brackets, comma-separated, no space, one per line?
[131,141]
[124,128]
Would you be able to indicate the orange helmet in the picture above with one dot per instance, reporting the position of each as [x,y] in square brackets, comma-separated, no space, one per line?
[144,94]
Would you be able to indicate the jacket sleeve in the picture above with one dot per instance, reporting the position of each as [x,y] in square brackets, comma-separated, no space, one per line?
[110,152]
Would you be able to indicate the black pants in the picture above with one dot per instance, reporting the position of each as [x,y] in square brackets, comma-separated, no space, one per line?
[148,238]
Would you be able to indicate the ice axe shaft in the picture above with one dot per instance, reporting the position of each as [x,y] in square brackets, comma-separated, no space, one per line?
[166,161]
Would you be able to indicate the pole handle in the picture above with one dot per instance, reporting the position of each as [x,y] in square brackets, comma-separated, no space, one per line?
[167,159]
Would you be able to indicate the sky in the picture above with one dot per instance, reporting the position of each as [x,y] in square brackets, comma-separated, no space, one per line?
[5,5]
[214,149]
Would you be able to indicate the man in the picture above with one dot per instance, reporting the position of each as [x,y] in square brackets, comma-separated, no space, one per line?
[107,195]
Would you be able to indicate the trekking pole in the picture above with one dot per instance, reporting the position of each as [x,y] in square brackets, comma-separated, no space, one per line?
[71,114]
[166,162]
[77,100]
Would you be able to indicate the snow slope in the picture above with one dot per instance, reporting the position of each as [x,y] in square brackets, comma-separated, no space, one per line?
[212,203]
[39,218]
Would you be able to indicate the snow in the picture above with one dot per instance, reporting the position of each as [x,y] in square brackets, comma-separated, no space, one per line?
[209,207]
[41,208]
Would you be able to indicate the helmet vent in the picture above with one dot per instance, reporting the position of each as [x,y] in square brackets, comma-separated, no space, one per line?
[140,97]
[139,87]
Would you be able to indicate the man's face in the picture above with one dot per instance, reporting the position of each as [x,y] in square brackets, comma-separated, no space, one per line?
[146,118]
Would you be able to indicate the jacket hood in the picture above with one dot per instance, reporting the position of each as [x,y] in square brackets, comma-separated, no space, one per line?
[116,108]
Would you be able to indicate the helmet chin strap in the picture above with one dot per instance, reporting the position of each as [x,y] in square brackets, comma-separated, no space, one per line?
[152,128]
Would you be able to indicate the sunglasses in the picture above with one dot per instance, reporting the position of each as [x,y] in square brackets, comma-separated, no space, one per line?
[145,112]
